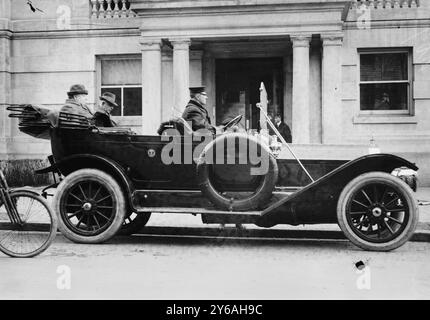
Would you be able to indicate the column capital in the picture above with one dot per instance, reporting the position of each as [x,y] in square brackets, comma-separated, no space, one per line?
[301,40]
[180,43]
[150,44]
[332,39]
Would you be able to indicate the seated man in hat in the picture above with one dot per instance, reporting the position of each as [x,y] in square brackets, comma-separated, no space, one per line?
[195,111]
[102,117]
[76,102]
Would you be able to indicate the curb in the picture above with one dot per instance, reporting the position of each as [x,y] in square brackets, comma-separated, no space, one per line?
[229,232]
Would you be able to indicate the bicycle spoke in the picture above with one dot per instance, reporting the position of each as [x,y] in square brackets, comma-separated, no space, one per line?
[7,235]
[39,210]
[28,210]
[30,237]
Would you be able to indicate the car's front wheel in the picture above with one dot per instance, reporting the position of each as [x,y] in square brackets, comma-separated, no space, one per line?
[377,211]
[91,206]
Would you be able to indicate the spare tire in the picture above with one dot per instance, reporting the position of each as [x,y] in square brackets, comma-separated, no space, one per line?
[237,172]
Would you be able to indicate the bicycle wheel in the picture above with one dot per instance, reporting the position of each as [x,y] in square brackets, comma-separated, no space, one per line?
[35,233]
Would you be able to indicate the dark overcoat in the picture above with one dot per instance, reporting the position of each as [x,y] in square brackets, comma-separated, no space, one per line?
[198,116]
[103,120]
[74,107]
[285,131]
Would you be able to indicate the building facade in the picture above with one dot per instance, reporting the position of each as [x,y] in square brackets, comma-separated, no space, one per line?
[340,73]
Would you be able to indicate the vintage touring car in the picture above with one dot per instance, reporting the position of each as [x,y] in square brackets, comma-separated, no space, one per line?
[114,179]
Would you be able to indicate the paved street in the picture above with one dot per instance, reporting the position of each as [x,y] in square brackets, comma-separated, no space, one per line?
[198,267]
[148,267]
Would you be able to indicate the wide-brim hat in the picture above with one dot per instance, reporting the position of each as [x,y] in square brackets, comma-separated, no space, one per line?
[109,98]
[78,89]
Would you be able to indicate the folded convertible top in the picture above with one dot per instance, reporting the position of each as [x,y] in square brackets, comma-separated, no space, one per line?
[37,121]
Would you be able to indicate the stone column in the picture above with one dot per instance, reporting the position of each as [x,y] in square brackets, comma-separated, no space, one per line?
[151,84]
[331,89]
[208,79]
[5,79]
[288,88]
[181,72]
[300,118]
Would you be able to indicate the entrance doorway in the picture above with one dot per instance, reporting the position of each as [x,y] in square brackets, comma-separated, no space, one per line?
[238,89]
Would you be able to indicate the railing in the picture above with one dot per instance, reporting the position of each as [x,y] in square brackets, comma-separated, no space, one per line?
[102,9]
[386,4]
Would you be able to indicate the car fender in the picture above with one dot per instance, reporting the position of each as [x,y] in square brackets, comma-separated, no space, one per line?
[316,203]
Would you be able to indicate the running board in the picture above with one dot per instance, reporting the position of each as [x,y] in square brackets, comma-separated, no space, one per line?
[187,201]
[176,210]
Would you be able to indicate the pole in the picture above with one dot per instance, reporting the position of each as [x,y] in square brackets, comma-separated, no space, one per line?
[283,140]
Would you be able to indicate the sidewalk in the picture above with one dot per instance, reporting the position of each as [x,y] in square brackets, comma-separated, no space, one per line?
[185,224]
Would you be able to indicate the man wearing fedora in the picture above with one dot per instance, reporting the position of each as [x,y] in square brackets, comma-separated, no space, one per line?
[102,117]
[77,102]
[195,111]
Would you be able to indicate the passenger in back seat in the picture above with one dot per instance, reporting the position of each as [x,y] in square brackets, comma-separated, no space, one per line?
[76,102]
[102,117]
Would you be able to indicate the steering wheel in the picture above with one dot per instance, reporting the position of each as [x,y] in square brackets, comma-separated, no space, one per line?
[233,122]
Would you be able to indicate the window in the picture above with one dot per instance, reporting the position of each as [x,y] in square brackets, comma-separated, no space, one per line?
[385,82]
[122,76]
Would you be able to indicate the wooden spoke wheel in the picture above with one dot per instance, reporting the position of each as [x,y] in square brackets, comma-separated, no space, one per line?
[91,206]
[377,211]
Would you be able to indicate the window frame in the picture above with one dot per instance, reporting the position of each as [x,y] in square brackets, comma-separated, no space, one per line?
[99,59]
[410,110]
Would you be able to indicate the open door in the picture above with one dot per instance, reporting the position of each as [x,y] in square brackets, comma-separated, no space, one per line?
[238,89]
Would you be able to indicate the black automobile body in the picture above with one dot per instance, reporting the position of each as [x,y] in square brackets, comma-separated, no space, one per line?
[374,209]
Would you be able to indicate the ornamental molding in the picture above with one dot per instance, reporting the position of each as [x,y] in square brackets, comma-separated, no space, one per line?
[301,40]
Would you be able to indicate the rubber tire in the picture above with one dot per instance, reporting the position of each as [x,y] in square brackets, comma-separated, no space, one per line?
[54,223]
[255,201]
[111,184]
[135,226]
[397,184]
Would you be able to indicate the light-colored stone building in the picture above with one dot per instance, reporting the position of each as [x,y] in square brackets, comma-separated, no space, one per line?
[339,72]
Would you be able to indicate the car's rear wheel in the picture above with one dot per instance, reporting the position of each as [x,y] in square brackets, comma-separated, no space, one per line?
[377,212]
[133,223]
[91,206]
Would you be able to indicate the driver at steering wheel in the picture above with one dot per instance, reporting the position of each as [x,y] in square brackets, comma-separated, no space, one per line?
[195,111]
